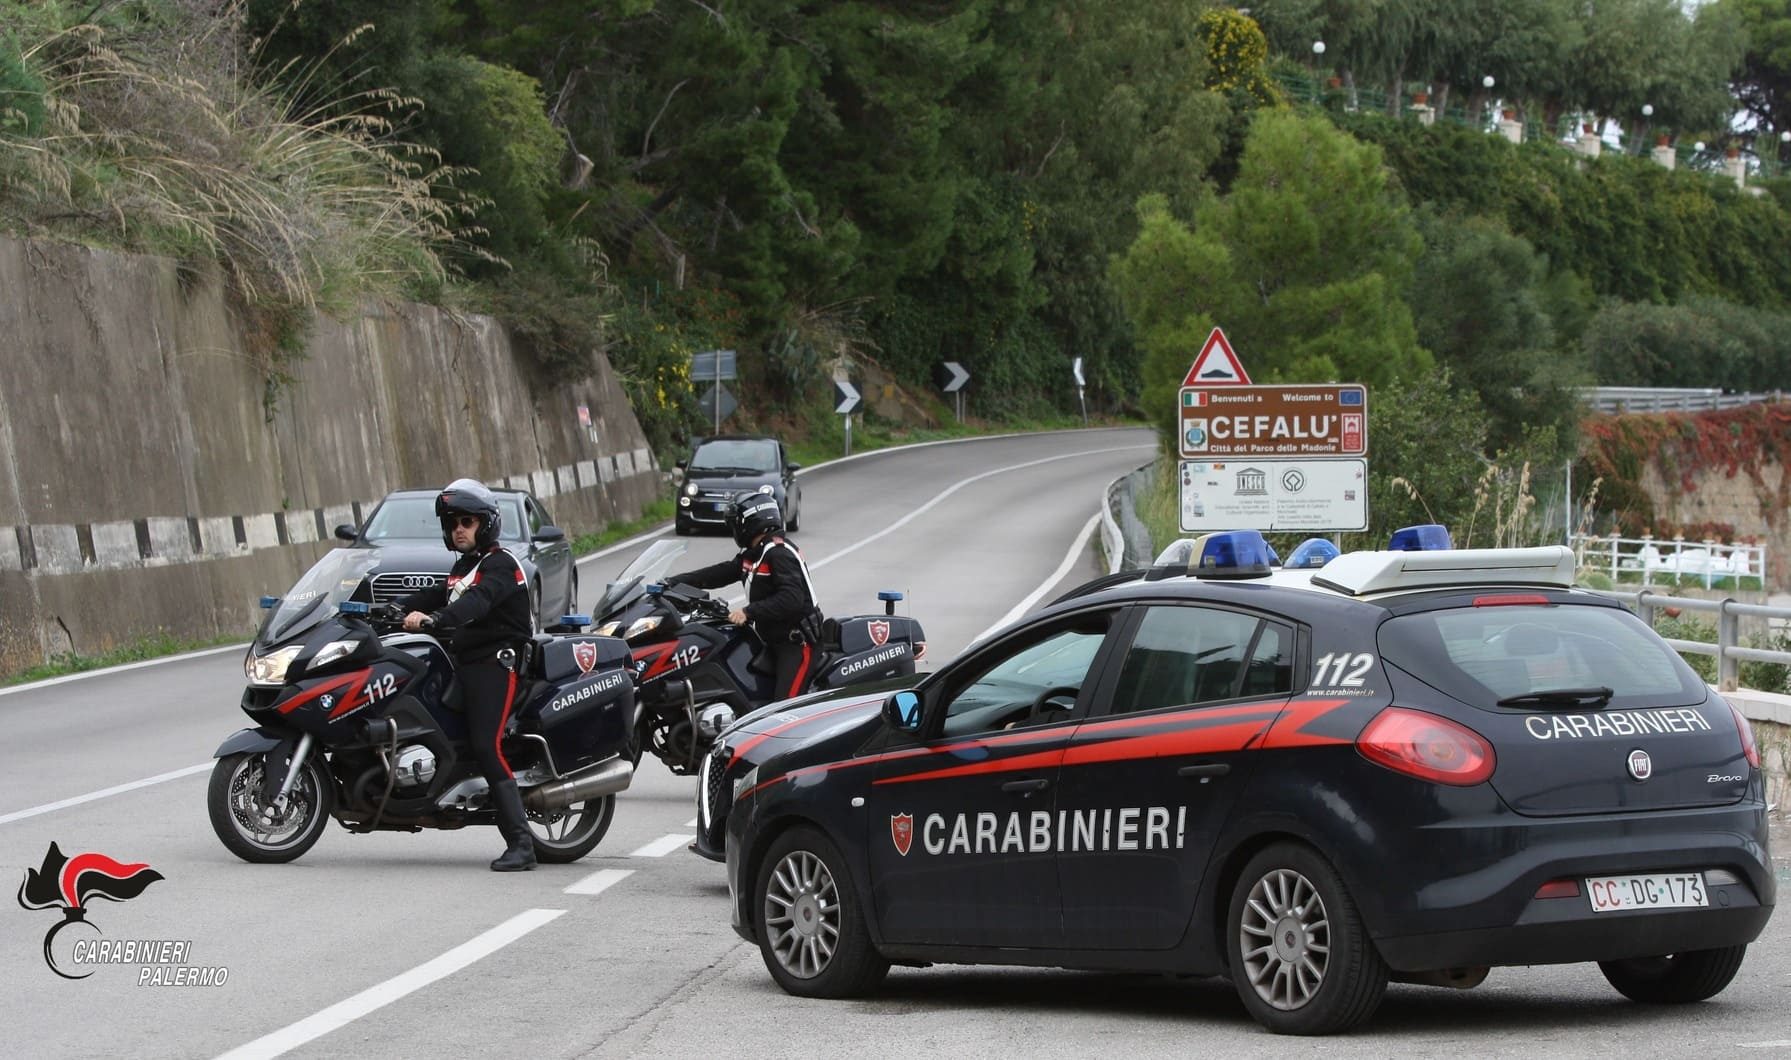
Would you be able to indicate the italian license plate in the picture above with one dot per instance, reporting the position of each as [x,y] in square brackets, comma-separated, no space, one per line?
[1676,890]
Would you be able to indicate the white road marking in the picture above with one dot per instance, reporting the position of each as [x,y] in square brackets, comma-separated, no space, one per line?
[662,846]
[692,823]
[376,997]
[121,668]
[960,484]
[49,807]
[1782,1043]
[599,881]
[1069,560]
[620,545]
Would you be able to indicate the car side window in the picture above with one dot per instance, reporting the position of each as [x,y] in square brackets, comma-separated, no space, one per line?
[537,517]
[1188,655]
[1036,682]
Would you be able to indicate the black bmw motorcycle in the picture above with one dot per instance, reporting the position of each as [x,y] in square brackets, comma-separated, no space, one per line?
[695,671]
[358,720]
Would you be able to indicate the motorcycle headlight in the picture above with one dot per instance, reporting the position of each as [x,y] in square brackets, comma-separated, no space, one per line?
[329,653]
[641,625]
[608,629]
[270,669]
[690,489]
[745,782]
[765,489]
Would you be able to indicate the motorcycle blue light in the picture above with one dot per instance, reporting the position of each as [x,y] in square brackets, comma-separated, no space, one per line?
[654,588]
[269,601]
[1426,537]
[1312,553]
[1233,554]
[354,607]
[575,621]
[889,596]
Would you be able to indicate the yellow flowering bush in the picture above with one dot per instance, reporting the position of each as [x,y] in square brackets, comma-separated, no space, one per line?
[1236,51]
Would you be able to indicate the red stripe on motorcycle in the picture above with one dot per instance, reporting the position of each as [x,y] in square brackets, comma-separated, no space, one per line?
[801,672]
[310,694]
[503,721]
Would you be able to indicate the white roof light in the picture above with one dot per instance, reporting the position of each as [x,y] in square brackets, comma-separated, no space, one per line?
[1361,573]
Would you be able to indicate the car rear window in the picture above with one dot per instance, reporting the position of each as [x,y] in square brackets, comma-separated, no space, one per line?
[1484,654]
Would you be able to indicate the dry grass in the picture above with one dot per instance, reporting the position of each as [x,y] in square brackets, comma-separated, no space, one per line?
[162,138]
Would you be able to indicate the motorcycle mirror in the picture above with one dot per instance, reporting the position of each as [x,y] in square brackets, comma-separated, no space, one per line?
[902,711]
[654,588]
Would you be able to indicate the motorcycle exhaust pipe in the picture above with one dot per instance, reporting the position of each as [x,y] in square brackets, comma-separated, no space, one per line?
[605,778]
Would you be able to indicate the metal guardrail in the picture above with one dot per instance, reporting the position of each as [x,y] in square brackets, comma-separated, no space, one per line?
[1728,650]
[1651,559]
[1613,400]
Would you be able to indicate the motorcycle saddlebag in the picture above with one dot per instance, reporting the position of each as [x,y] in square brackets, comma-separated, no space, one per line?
[583,718]
[559,659]
[867,633]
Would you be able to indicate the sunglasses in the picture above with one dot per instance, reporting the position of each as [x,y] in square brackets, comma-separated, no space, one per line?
[467,522]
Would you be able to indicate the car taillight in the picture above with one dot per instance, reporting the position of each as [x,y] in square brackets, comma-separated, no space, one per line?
[1427,747]
[1748,746]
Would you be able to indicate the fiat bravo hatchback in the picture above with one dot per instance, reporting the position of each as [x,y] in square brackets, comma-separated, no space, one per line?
[1398,766]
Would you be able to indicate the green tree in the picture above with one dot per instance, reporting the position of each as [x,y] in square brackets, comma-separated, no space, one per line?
[1305,263]
[1426,445]
[1763,83]
[1481,309]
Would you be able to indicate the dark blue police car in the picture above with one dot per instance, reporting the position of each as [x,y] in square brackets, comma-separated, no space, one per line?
[1398,765]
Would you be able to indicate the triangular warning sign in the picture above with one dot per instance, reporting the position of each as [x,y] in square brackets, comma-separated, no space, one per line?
[1217,365]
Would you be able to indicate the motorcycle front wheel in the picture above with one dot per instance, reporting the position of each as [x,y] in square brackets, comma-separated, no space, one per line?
[563,836]
[234,801]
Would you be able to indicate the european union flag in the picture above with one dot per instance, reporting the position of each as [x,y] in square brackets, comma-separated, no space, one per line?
[1349,397]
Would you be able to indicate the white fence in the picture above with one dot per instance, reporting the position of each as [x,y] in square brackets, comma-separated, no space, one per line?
[1611,400]
[1649,560]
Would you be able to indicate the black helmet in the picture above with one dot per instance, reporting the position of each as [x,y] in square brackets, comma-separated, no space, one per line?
[465,496]
[752,515]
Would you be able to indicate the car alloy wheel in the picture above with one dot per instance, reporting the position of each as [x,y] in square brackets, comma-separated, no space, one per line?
[1285,937]
[802,914]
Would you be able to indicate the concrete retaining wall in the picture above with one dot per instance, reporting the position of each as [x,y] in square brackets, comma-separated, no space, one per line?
[144,488]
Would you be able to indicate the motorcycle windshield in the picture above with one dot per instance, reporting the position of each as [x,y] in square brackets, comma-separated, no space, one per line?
[649,567]
[314,597]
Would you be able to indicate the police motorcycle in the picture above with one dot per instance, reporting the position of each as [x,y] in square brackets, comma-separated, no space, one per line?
[695,671]
[358,720]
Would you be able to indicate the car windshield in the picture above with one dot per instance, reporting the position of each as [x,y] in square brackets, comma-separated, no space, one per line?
[737,455]
[1482,655]
[648,567]
[412,518]
[331,580]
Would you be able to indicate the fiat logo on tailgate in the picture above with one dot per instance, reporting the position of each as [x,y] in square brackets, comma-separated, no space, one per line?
[1641,766]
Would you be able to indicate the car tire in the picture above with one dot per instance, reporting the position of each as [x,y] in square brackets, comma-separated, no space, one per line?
[681,527]
[534,607]
[1677,979]
[812,931]
[1300,956]
[794,523]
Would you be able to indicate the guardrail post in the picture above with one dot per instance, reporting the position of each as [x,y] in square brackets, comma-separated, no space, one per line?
[1645,609]
[1709,560]
[1613,561]
[1728,637]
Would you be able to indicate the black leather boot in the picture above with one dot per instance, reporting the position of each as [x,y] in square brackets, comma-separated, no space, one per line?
[513,823]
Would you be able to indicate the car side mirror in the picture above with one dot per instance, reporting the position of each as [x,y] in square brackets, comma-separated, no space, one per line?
[681,465]
[549,534]
[345,532]
[902,711]
[792,468]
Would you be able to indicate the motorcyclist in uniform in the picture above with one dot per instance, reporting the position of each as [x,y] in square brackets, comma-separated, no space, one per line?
[484,606]
[780,601]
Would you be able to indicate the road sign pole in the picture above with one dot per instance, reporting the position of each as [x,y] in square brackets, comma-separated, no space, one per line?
[1083,399]
[718,392]
[848,451]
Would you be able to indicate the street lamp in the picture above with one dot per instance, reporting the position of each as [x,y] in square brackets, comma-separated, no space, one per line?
[1641,138]
[1487,82]
[1647,110]
[1318,47]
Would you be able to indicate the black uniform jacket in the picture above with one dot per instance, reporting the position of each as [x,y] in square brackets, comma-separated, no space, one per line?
[484,605]
[777,596]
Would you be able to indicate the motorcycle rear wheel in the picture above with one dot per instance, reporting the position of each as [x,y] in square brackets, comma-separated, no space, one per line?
[233,800]
[564,836]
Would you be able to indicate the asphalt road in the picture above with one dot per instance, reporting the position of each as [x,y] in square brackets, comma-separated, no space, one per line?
[404,945]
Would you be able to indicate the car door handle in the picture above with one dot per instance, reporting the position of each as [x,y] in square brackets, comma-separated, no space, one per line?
[1205,771]
[1027,787]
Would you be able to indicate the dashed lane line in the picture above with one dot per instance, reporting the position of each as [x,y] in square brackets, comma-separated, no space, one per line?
[662,846]
[50,807]
[599,881]
[377,997]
